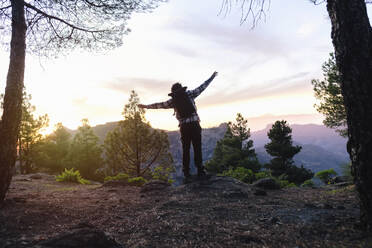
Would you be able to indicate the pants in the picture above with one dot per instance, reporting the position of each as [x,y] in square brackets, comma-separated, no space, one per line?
[191,133]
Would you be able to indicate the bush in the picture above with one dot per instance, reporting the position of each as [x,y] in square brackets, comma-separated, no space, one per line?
[119,177]
[298,175]
[286,184]
[262,174]
[71,176]
[242,174]
[326,175]
[308,183]
[162,174]
[137,181]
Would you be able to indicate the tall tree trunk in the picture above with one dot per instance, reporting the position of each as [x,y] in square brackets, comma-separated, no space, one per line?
[13,97]
[352,40]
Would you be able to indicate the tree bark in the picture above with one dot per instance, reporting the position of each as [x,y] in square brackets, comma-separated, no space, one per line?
[13,97]
[352,40]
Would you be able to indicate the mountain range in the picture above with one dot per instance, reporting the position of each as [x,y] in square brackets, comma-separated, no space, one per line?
[322,148]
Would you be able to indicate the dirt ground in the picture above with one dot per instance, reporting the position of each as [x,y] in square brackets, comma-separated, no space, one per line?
[197,215]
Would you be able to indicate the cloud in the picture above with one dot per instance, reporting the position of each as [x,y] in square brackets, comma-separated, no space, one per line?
[228,37]
[143,86]
[296,83]
[182,50]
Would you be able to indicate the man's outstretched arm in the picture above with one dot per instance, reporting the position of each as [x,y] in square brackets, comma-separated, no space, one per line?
[196,92]
[158,105]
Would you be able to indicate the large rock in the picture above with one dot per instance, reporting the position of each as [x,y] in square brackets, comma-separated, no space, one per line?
[225,186]
[81,238]
[266,183]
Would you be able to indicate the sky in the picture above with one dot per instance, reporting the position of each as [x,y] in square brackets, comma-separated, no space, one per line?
[265,72]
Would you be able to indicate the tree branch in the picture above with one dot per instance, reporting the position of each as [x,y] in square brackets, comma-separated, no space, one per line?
[6,7]
[152,161]
[51,17]
[254,8]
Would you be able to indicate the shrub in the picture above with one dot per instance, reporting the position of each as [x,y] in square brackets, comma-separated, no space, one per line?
[71,176]
[242,174]
[137,181]
[308,183]
[119,177]
[298,175]
[262,174]
[325,175]
[162,174]
[286,184]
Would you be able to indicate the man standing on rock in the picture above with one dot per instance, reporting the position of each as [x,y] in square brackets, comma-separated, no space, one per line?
[184,106]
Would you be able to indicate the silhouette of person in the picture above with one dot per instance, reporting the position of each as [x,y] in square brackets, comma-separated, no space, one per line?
[183,103]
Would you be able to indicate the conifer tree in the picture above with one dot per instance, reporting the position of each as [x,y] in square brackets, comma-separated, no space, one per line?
[235,149]
[29,133]
[85,152]
[51,154]
[328,91]
[134,147]
[282,150]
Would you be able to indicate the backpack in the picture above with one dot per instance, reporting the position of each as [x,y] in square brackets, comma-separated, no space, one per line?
[182,104]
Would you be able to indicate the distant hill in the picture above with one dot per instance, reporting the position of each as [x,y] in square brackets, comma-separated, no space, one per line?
[322,148]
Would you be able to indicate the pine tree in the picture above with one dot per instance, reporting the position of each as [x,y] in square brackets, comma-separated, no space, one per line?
[85,152]
[235,149]
[134,147]
[29,133]
[331,103]
[283,151]
[51,153]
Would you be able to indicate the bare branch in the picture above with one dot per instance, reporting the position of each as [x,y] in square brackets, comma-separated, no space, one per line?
[6,7]
[254,9]
[60,20]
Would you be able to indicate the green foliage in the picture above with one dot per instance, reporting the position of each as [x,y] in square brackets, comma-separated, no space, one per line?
[29,134]
[286,184]
[137,181]
[242,174]
[262,174]
[281,147]
[298,175]
[125,178]
[326,175]
[235,149]
[308,183]
[163,173]
[328,92]
[282,151]
[51,153]
[134,147]
[72,176]
[85,152]
[119,177]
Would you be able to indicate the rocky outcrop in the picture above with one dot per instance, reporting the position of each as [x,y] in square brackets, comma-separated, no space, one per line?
[225,186]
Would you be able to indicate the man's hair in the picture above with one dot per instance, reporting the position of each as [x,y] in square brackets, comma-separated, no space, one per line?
[176,87]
